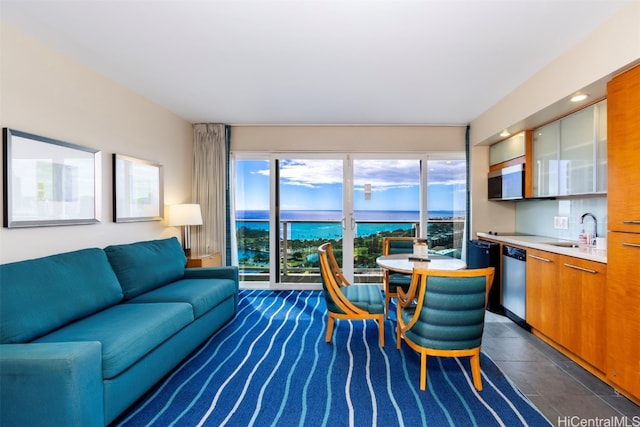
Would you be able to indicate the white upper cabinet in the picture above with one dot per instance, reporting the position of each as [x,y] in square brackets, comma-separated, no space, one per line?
[577,136]
[569,156]
[544,162]
[508,149]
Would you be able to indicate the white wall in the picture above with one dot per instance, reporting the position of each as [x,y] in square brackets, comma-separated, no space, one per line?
[46,93]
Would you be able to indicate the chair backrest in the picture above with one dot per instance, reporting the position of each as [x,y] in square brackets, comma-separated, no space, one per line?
[397,245]
[452,307]
[332,281]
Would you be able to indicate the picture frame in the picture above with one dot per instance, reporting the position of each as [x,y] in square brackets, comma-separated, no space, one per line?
[48,182]
[138,189]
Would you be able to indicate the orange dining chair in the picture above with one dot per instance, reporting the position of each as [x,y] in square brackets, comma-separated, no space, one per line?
[392,280]
[346,301]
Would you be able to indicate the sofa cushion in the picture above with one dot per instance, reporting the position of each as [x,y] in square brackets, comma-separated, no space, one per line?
[127,332]
[40,295]
[143,266]
[202,294]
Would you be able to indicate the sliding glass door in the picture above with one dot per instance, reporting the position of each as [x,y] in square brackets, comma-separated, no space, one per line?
[447,206]
[287,205]
[310,210]
[252,219]
[386,202]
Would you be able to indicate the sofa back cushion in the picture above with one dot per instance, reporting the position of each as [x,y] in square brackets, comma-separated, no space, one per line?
[143,266]
[41,295]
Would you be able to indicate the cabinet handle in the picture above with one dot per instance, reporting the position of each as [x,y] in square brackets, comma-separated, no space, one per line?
[540,258]
[580,268]
[631,245]
[631,221]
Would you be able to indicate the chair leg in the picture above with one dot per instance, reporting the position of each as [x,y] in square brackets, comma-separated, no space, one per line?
[381,329]
[475,371]
[387,300]
[329,328]
[423,371]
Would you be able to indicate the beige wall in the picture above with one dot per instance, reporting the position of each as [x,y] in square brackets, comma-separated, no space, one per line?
[499,216]
[590,64]
[349,138]
[46,93]
[544,97]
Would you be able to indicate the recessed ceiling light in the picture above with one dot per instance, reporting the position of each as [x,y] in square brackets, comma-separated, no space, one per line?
[579,97]
[505,133]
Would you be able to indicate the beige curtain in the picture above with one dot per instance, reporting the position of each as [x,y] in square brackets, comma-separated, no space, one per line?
[209,184]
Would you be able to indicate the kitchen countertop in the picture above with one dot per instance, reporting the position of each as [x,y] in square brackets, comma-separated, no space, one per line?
[543,243]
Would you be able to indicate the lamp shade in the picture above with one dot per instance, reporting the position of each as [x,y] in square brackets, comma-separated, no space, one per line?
[185,214]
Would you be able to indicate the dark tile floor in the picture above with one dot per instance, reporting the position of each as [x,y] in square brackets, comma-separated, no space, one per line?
[564,392]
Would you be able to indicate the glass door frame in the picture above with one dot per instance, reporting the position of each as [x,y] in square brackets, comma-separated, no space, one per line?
[347,209]
[348,225]
[348,205]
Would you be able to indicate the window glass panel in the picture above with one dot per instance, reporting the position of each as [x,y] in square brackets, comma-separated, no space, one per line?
[252,219]
[446,203]
[310,215]
[386,200]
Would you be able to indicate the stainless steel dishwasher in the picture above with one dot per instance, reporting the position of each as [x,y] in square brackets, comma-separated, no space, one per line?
[514,284]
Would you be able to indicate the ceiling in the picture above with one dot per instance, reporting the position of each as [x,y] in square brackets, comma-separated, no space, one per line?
[311,61]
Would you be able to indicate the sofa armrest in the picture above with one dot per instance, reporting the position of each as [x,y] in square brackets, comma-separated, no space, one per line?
[46,384]
[228,272]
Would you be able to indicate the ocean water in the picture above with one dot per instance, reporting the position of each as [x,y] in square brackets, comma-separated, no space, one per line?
[314,225]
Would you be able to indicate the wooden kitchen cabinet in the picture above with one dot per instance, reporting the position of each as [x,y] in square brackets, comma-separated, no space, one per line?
[623,311]
[623,151]
[623,238]
[565,303]
[582,315]
[542,303]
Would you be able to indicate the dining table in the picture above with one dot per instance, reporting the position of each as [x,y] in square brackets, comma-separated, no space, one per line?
[405,263]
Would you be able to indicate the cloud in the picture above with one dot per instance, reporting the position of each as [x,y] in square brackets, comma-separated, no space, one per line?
[381,174]
[447,172]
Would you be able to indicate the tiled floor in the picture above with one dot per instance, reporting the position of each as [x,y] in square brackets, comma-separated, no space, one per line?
[564,392]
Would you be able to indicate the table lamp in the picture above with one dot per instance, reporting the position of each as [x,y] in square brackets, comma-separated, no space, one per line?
[185,215]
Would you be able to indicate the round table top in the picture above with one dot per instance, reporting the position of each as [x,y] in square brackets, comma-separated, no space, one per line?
[400,263]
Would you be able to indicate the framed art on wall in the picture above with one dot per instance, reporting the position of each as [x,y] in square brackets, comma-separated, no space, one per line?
[48,182]
[137,189]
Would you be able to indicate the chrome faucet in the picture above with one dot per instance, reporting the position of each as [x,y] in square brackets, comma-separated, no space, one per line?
[595,226]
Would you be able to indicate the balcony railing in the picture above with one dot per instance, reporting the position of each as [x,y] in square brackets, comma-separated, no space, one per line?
[299,240]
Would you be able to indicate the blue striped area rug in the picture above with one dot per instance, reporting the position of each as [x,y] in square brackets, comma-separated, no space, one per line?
[270,366]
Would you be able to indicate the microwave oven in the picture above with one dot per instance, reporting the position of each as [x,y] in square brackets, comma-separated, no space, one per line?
[506,183]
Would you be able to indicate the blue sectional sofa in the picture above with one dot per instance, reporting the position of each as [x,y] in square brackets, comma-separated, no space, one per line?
[86,333]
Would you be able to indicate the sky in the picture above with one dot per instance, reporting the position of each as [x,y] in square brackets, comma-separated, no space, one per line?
[316,184]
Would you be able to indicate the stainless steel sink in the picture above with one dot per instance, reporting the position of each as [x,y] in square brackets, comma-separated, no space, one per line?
[563,244]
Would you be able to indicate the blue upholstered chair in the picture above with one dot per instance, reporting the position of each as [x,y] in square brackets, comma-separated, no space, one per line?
[344,301]
[442,314]
[392,280]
